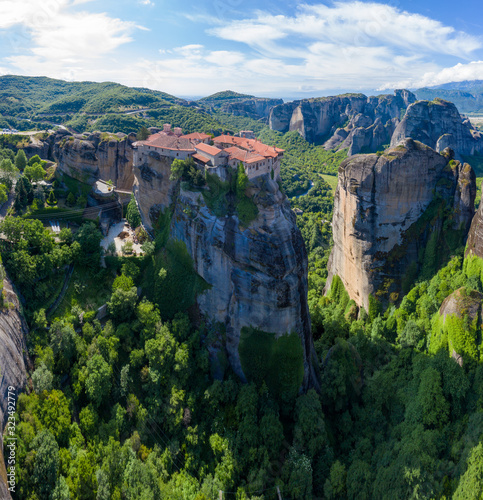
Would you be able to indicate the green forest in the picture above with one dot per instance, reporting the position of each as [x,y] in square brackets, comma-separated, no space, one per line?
[128,407]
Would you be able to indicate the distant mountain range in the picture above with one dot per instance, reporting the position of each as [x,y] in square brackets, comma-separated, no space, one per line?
[467,95]
[40,102]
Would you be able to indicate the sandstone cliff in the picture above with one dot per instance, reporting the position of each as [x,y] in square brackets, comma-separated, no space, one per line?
[256,108]
[352,121]
[474,245]
[258,274]
[153,190]
[389,212]
[13,331]
[439,125]
[89,157]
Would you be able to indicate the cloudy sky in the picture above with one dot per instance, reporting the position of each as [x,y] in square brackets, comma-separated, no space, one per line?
[270,48]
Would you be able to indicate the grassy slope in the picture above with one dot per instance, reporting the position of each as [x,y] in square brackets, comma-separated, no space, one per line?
[331,181]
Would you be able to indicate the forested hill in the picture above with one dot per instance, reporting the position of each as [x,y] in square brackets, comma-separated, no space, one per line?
[40,95]
[28,103]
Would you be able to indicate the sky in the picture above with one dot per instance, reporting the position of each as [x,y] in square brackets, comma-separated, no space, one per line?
[265,48]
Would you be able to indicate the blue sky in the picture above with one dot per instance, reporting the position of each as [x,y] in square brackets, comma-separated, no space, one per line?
[271,48]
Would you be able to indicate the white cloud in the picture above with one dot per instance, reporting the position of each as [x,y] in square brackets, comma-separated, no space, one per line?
[350,45]
[57,33]
[458,73]
[350,24]
[147,3]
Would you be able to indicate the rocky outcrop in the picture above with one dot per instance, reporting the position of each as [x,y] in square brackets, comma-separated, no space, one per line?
[458,326]
[352,121]
[256,108]
[153,190]
[89,157]
[13,373]
[387,208]
[439,125]
[258,274]
[474,245]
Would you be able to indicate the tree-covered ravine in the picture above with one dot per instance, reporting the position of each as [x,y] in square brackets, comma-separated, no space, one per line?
[129,407]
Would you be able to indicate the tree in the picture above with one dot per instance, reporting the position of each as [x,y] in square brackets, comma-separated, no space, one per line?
[309,431]
[61,491]
[51,200]
[35,159]
[81,201]
[70,199]
[178,168]
[470,486]
[24,192]
[431,400]
[20,159]
[8,173]
[46,463]
[35,172]
[132,213]
[143,134]
[122,304]
[65,235]
[98,381]
[56,415]
[3,194]
[89,238]
[42,379]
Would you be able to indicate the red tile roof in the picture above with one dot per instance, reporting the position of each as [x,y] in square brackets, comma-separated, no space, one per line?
[200,136]
[243,155]
[205,148]
[249,145]
[201,158]
[172,142]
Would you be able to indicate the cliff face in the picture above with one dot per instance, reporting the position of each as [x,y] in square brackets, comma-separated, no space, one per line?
[153,190]
[13,331]
[474,245]
[351,121]
[387,208]
[258,275]
[96,156]
[256,108]
[438,125]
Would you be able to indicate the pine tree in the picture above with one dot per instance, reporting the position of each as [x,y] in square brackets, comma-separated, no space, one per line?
[132,214]
[20,159]
[52,200]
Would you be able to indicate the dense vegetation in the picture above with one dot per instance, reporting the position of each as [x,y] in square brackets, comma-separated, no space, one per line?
[133,405]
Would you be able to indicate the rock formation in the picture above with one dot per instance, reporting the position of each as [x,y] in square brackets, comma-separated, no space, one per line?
[474,246]
[258,274]
[256,108]
[89,157]
[13,331]
[389,211]
[458,327]
[153,190]
[439,125]
[352,121]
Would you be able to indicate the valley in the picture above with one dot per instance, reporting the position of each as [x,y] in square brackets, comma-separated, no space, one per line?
[241,296]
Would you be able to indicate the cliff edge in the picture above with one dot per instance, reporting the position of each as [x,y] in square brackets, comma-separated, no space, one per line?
[13,373]
[395,215]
